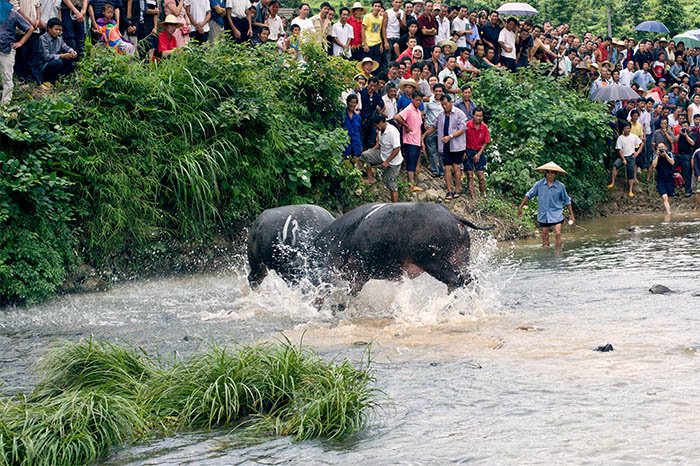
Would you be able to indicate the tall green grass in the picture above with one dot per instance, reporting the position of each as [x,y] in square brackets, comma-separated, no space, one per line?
[93,396]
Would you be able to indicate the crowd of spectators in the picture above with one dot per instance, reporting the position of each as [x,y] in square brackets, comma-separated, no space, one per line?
[414,59]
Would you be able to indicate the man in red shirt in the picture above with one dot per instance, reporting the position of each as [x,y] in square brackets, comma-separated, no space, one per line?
[427,27]
[355,21]
[477,140]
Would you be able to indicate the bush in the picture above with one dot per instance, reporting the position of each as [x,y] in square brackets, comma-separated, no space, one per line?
[131,153]
[36,241]
[534,119]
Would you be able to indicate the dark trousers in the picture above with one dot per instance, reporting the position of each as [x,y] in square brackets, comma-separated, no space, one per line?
[389,55]
[375,55]
[683,161]
[56,68]
[199,38]
[358,54]
[242,25]
[28,60]
[73,32]
[369,134]
[508,63]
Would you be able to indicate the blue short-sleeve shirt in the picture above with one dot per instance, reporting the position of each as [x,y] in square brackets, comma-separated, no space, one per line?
[551,200]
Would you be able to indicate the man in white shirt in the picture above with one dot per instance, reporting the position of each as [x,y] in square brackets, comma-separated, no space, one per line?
[342,34]
[443,22]
[506,42]
[628,147]
[461,28]
[627,75]
[394,21]
[237,21]
[387,154]
[390,101]
[199,14]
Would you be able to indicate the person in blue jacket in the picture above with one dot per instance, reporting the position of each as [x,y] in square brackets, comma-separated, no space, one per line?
[552,196]
[353,125]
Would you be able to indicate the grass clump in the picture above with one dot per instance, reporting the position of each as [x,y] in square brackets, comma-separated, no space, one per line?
[93,396]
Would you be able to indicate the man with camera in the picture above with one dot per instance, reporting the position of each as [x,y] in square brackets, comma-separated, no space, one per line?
[663,162]
[686,147]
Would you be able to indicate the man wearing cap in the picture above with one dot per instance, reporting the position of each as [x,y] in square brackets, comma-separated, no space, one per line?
[551,195]
[372,32]
[427,27]
[355,21]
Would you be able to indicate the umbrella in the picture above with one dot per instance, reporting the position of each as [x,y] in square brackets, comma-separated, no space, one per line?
[689,40]
[693,32]
[651,26]
[518,9]
[614,92]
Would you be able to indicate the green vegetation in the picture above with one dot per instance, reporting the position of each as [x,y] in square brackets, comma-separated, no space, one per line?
[94,396]
[130,153]
[534,119]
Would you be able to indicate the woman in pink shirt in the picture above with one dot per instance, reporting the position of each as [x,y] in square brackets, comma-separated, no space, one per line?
[177,9]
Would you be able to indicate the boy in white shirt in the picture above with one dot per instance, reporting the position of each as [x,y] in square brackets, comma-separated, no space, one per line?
[199,13]
[342,34]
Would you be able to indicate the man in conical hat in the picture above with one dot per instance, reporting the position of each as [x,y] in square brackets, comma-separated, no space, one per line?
[552,196]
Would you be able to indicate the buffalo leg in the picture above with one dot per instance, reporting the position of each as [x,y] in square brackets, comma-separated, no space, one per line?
[257,274]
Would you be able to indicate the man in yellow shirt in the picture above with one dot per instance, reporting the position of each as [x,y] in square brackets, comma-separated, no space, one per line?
[372,32]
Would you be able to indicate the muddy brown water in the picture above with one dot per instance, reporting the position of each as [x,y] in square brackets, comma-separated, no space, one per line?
[503,373]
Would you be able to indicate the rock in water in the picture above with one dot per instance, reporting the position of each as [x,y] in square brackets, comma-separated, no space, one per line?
[605,349]
[660,289]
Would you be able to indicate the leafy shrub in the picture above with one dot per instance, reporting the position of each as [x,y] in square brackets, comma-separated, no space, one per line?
[534,119]
[36,242]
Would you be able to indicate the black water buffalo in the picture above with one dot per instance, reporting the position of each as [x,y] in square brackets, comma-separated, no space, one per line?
[280,237]
[384,241]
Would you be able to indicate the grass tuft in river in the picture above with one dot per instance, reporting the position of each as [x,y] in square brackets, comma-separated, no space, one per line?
[93,396]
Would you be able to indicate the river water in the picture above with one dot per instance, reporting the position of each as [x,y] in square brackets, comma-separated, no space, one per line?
[504,373]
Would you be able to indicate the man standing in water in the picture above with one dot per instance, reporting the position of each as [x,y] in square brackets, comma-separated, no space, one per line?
[663,162]
[551,194]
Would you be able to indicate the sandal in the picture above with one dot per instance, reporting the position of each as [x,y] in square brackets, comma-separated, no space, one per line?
[449,195]
[455,195]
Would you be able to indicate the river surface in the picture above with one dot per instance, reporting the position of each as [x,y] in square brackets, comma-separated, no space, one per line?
[504,373]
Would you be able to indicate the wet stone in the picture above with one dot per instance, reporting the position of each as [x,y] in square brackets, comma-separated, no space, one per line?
[660,289]
[605,348]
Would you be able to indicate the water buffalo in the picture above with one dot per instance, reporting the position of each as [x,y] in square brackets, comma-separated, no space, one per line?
[384,241]
[280,237]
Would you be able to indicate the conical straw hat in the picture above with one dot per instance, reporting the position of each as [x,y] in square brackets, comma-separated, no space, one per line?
[551,166]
